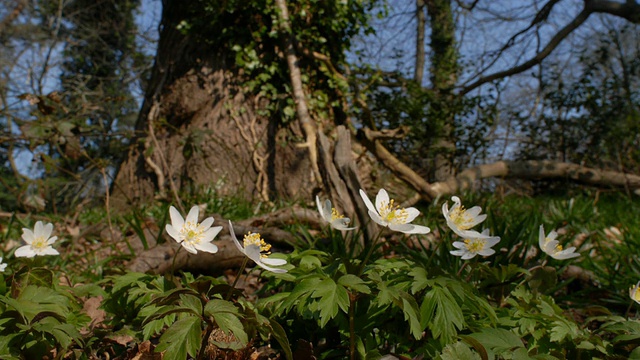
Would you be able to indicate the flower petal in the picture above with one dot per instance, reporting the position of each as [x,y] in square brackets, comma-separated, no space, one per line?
[46,230]
[176,219]
[28,235]
[368,203]
[409,228]
[52,240]
[24,251]
[468,255]
[458,252]
[382,199]
[274,261]
[412,214]
[38,229]
[341,224]
[192,216]
[210,234]
[189,247]
[320,209]
[542,238]
[253,253]
[375,217]
[207,247]
[175,234]
[486,252]
[49,251]
[235,240]
[205,224]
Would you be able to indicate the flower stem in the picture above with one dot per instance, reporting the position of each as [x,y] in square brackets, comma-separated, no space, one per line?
[233,286]
[205,340]
[369,252]
[173,265]
[352,327]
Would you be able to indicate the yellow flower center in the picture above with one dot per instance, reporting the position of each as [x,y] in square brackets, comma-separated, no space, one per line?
[558,247]
[255,239]
[460,217]
[335,215]
[636,294]
[474,245]
[391,213]
[191,233]
[39,243]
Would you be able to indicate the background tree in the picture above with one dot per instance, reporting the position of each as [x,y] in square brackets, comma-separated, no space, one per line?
[220,112]
[77,127]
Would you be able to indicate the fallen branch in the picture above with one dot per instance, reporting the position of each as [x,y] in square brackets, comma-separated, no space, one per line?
[159,259]
[536,170]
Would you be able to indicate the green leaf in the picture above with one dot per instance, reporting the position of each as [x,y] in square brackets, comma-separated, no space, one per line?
[281,337]
[420,280]
[411,314]
[441,313]
[182,338]
[332,296]
[226,316]
[355,283]
[458,351]
[304,289]
[498,340]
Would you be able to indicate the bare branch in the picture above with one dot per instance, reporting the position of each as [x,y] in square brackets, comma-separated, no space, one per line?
[629,10]
[308,125]
[553,43]
[420,50]
[401,170]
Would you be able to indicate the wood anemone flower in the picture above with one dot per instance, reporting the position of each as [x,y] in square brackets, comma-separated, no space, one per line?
[634,293]
[472,246]
[331,215]
[256,249]
[552,247]
[461,220]
[193,236]
[38,241]
[387,213]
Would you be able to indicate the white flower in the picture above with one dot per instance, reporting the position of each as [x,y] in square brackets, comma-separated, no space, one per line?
[387,213]
[331,215]
[460,220]
[2,265]
[254,245]
[473,246]
[634,293]
[38,241]
[552,247]
[193,236]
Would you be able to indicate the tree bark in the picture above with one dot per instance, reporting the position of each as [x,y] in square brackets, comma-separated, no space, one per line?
[207,131]
[444,76]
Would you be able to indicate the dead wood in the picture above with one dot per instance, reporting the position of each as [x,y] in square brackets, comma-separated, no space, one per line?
[160,259]
[536,170]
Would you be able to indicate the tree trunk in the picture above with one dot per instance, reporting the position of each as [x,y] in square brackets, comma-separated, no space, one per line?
[444,75]
[199,128]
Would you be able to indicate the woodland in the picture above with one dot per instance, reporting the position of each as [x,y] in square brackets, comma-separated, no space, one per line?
[309,179]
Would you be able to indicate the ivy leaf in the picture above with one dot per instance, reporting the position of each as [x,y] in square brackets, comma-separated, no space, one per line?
[182,338]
